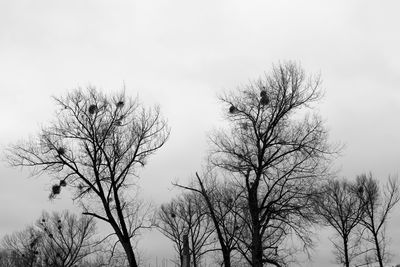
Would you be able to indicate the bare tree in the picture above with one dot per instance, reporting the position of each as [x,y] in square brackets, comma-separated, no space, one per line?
[186,215]
[61,240]
[96,145]
[378,202]
[276,156]
[23,247]
[8,258]
[340,207]
[221,200]
[65,239]
[172,226]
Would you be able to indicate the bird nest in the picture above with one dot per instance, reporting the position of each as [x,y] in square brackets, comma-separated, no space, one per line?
[55,189]
[264,100]
[61,150]
[263,93]
[120,104]
[92,109]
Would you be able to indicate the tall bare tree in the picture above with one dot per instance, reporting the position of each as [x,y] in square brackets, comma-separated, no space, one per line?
[96,145]
[277,153]
[339,206]
[378,202]
[186,215]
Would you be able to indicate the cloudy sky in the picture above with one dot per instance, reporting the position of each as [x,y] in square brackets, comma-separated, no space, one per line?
[181,54]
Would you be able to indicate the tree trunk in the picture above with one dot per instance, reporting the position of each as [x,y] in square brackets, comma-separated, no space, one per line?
[227,258]
[129,253]
[346,253]
[256,250]
[256,246]
[185,260]
[378,250]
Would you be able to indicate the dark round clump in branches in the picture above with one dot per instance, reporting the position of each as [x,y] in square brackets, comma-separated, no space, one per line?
[232,109]
[264,99]
[61,150]
[55,189]
[360,190]
[263,93]
[63,183]
[120,104]
[92,109]
[173,215]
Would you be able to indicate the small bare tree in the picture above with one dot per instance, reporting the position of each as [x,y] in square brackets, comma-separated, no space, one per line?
[339,206]
[222,203]
[66,239]
[186,215]
[55,240]
[9,258]
[96,145]
[277,157]
[23,247]
[378,202]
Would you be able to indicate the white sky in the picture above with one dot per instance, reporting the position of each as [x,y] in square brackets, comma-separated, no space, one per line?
[181,54]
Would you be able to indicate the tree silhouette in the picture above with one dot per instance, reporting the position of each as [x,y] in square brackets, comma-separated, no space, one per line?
[339,207]
[378,203]
[186,215]
[23,247]
[96,145]
[277,157]
[66,239]
[223,204]
[55,240]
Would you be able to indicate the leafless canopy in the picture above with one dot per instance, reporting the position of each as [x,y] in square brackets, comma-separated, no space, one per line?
[378,203]
[96,145]
[67,239]
[22,248]
[186,215]
[339,207]
[223,205]
[55,240]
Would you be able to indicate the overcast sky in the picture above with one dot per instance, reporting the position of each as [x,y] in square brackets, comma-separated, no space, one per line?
[181,54]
